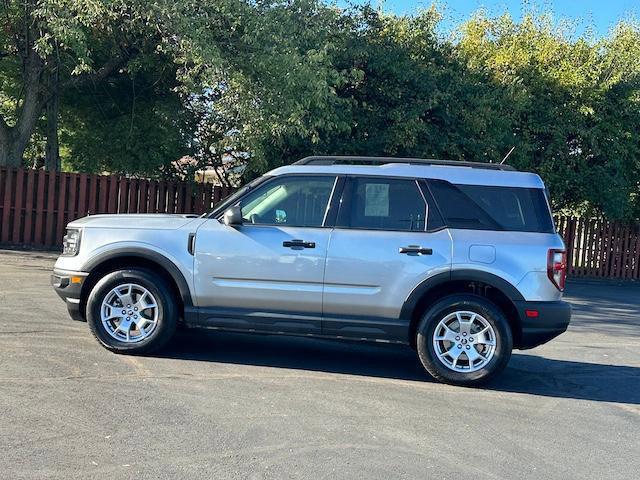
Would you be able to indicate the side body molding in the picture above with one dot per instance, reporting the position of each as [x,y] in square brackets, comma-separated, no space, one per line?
[456,275]
[149,255]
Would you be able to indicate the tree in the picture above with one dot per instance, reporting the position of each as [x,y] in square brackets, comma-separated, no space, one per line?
[269,54]
[573,105]
[402,92]
[47,47]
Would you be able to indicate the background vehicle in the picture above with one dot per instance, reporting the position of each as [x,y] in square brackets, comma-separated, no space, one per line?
[460,260]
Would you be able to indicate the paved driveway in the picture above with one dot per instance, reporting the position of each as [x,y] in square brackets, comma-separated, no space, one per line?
[219,405]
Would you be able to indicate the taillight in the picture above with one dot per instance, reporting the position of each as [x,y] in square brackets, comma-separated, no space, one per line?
[557,268]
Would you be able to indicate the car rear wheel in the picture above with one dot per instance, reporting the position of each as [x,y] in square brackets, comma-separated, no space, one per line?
[132,311]
[464,340]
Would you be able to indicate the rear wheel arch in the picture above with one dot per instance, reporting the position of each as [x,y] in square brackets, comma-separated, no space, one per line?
[464,327]
[103,264]
[489,286]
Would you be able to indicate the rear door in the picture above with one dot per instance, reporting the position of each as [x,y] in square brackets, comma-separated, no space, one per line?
[388,238]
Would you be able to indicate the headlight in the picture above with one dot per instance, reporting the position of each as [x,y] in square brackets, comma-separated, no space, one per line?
[71,242]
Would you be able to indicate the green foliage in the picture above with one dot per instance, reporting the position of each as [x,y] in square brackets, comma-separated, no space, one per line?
[572,106]
[274,80]
[569,105]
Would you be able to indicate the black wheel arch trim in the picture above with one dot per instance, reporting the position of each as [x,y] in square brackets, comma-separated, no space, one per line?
[146,254]
[456,275]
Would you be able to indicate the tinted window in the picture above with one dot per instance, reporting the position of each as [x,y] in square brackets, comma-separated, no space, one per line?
[385,204]
[483,207]
[292,201]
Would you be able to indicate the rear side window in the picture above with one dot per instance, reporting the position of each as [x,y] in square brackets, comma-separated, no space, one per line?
[384,204]
[481,207]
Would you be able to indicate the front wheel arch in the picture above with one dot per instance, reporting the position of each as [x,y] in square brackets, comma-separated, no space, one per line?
[102,266]
[166,316]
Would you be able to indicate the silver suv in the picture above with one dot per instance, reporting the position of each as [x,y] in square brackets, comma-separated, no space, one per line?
[459,260]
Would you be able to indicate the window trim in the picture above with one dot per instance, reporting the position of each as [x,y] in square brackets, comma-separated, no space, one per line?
[344,211]
[431,200]
[269,179]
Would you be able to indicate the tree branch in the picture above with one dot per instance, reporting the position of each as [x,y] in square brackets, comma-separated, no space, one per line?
[102,73]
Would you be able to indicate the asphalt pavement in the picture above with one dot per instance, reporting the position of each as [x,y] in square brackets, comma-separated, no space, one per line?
[232,406]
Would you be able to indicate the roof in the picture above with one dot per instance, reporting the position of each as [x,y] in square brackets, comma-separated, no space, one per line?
[356,160]
[463,173]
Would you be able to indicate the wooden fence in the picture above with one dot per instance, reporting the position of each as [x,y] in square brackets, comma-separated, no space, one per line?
[601,248]
[36,205]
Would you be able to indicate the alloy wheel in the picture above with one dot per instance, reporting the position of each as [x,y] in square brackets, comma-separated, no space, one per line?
[464,341]
[129,313]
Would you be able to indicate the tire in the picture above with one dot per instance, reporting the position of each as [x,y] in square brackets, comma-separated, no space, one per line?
[128,337]
[472,314]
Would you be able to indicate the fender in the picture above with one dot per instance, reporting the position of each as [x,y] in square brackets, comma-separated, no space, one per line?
[146,254]
[456,275]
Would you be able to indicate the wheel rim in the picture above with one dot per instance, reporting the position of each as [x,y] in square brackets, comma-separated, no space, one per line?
[129,313]
[464,341]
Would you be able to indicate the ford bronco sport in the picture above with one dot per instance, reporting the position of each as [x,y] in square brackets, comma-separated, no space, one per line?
[460,260]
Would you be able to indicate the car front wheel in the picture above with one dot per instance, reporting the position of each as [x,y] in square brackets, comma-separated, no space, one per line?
[464,340]
[132,311]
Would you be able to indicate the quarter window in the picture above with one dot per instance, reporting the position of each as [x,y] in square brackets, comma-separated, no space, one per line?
[385,204]
[289,201]
[483,207]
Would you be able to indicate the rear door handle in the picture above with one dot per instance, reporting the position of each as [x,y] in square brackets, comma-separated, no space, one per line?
[298,244]
[415,250]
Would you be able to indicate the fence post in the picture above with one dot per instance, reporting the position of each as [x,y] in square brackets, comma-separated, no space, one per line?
[28,207]
[6,204]
[17,206]
[38,237]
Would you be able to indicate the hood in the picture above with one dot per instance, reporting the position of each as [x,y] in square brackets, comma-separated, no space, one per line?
[152,221]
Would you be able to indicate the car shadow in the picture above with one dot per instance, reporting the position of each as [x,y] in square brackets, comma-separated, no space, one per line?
[526,373]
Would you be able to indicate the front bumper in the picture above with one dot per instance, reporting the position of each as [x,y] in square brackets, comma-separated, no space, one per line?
[552,319]
[68,286]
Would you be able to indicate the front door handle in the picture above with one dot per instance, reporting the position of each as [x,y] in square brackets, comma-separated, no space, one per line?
[298,244]
[415,250]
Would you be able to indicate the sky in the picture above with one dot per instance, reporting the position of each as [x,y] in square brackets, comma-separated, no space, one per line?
[602,14]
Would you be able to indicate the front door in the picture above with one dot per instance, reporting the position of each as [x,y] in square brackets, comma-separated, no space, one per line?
[267,274]
[387,240]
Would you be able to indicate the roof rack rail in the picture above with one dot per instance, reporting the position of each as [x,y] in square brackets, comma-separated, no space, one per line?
[348,160]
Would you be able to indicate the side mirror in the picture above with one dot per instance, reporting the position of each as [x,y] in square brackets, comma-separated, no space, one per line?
[233,216]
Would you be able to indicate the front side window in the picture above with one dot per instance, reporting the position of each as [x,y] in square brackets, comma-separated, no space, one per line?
[289,201]
[385,204]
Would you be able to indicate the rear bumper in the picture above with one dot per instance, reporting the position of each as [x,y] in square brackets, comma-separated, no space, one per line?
[552,319]
[68,286]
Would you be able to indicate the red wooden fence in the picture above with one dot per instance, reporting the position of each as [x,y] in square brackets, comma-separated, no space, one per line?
[601,248]
[36,205]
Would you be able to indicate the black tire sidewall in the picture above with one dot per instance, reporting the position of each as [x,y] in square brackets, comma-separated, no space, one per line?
[167,311]
[426,328]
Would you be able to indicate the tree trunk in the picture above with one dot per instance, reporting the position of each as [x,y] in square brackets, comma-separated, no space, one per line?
[4,143]
[12,146]
[14,140]
[52,150]
[16,150]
